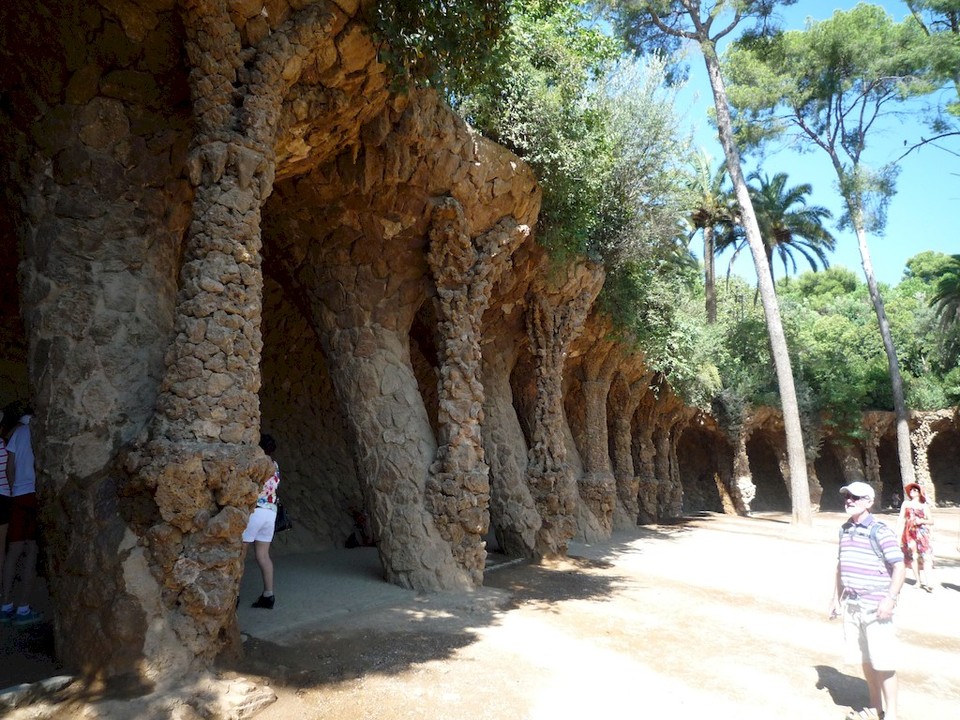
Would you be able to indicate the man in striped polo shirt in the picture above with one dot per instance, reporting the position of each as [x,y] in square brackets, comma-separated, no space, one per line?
[870,573]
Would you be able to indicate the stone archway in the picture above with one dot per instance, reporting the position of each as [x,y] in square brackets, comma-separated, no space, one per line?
[891,482]
[697,459]
[299,408]
[767,476]
[830,473]
[944,458]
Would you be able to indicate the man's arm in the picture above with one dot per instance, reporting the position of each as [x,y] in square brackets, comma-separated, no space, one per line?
[11,469]
[834,608]
[889,602]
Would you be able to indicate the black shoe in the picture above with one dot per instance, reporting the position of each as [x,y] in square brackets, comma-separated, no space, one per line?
[264,602]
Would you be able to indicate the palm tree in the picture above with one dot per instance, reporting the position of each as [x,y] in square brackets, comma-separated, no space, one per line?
[662,26]
[787,223]
[716,207]
[947,298]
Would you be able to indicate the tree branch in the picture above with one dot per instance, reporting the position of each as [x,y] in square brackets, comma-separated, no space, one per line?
[931,141]
[670,30]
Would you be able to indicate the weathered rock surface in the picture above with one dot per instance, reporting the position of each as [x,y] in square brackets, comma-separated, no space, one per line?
[225,222]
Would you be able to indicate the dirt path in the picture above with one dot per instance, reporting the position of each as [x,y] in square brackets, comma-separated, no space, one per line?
[714,617]
[717,617]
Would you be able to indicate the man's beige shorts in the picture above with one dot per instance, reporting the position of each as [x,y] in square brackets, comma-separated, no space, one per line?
[869,640]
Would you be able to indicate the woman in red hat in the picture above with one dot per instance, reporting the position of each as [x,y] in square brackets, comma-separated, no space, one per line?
[914,525]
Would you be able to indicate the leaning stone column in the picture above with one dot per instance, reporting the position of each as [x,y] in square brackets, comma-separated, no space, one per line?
[513,512]
[646,464]
[554,319]
[623,403]
[670,495]
[875,424]
[200,460]
[597,486]
[668,500]
[851,463]
[202,463]
[920,438]
[744,490]
[465,271]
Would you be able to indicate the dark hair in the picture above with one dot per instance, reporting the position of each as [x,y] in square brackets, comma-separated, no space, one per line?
[267,443]
[12,412]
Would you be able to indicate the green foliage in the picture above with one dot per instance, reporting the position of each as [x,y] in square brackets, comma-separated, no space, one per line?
[714,203]
[947,295]
[928,266]
[946,301]
[841,359]
[940,21]
[660,27]
[787,224]
[657,307]
[446,43]
[601,136]
[833,85]
[951,386]
[838,358]
[823,286]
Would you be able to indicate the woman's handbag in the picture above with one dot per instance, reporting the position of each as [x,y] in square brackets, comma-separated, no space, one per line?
[283,521]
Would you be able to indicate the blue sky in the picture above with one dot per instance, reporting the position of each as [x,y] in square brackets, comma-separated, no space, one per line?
[922,214]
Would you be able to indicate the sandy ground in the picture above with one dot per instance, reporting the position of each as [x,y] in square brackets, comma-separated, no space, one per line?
[715,616]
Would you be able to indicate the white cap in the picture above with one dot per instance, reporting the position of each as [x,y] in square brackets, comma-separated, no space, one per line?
[858,489]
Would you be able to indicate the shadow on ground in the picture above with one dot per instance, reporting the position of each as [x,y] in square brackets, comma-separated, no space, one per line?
[417,628]
[845,690]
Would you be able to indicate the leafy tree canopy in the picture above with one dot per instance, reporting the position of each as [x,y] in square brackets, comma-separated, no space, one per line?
[928,266]
[940,21]
[661,27]
[832,86]
[601,134]
[446,43]
[823,286]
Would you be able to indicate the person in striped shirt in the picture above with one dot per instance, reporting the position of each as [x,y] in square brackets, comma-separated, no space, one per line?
[870,573]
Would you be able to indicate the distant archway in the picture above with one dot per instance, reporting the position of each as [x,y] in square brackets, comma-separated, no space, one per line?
[830,474]
[697,461]
[944,459]
[767,477]
[890,478]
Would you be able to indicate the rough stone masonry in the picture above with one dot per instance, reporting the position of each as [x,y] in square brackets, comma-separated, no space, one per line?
[219,220]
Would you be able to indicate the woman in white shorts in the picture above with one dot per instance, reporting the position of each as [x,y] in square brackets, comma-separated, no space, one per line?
[259,530]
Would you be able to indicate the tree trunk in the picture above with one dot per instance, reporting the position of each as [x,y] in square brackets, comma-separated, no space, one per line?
[855,208]
[896,380]
[709,274]
[800,495]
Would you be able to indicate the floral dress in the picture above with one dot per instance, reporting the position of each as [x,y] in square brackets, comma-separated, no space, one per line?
[913,533]
[268,493]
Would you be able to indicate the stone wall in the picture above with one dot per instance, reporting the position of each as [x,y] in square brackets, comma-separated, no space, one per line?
[226,223]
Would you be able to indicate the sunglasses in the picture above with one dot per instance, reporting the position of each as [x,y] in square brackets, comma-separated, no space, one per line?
[856,498]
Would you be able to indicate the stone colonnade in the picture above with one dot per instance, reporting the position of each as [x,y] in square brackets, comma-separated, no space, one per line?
[176,152]
[150,195]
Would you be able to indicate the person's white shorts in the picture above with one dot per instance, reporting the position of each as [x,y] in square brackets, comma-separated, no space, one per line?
[869,640]
[260,525]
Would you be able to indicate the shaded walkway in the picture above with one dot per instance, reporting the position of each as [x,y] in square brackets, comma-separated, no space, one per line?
[700,618]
